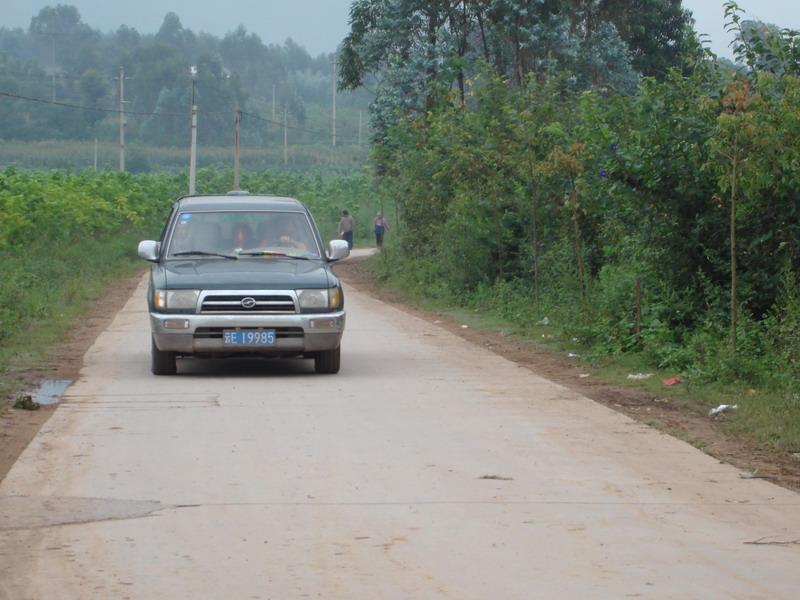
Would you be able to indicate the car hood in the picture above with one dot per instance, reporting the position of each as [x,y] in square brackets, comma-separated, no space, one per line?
[274,273]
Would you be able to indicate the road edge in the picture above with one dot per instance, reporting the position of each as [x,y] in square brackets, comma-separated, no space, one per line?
[19,427]
[665,414]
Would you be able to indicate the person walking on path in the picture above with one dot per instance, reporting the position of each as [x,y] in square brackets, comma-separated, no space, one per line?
[346,227]
[381,227]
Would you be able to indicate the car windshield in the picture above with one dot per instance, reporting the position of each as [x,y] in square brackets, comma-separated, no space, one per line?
[243,234]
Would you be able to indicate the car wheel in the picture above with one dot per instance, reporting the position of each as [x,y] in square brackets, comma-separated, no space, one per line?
[163,362]
[328,361]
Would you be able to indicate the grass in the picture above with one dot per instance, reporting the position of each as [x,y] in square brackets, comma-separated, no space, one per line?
[678,432]
[770,417]
[45,290]
[77,155]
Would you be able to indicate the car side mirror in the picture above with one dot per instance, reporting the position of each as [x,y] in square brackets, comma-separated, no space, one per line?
[149,249]
[338,249]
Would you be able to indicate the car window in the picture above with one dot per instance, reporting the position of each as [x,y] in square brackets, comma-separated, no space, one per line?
[223,232]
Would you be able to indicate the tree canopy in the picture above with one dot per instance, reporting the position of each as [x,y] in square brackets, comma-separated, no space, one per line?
[61,57]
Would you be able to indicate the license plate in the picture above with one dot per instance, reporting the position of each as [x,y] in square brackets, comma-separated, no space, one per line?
[248,337]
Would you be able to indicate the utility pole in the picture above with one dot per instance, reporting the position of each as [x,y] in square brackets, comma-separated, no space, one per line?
[359,127]
[273,101]
[95,154]
[53,64]
[285,136]
[53,69]
[122,121]
[333,69]
[193,142]
[237,121]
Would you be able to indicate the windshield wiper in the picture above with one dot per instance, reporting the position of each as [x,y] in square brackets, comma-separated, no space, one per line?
[204,253]
[273,253]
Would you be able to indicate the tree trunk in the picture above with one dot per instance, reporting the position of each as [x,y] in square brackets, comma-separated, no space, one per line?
[459,23]
[638,306]
[433,27]
[578,241]
[519,56]
[734,182]
[483,37]
[534,232]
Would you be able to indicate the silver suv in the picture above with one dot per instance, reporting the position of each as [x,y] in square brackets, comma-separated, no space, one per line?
[243,275]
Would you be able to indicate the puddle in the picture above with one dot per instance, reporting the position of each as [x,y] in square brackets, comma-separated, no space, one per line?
[50,391]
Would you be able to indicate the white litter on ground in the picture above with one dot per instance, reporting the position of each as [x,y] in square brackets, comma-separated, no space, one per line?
[721,409]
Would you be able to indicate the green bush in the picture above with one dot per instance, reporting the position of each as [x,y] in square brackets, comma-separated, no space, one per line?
[534,201]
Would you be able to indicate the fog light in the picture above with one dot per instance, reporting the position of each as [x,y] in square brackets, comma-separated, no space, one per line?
[323,324]
[175,324]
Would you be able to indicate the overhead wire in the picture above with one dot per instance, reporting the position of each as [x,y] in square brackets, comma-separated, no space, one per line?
[101,109]
[117,111]
[317,132]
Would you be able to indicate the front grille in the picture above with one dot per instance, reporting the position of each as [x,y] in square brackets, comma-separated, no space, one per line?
[215,333]
[232,303]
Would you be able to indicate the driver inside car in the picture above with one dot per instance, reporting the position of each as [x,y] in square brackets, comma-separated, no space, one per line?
[282,234]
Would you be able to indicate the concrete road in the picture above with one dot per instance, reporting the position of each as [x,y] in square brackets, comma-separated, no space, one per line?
[428,468]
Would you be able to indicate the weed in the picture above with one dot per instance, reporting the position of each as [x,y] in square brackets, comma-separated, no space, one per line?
[26,403]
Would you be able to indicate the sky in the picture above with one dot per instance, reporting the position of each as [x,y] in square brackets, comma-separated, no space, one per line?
[709,18]
[319,25]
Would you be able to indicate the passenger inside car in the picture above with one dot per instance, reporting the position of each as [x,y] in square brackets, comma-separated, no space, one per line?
[242,236]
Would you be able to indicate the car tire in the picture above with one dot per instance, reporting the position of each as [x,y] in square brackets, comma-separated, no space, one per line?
[163,362]
[328,362]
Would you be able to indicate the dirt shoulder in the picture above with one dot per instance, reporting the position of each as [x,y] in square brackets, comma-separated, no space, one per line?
[19,427]
[668,414]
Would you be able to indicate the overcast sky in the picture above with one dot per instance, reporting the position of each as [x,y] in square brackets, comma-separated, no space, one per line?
[709,17]
[320,25]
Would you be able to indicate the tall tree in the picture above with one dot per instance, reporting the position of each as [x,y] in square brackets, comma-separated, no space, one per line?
[656,31]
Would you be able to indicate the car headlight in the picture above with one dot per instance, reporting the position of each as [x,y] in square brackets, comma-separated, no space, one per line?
[318,300]
[175,299]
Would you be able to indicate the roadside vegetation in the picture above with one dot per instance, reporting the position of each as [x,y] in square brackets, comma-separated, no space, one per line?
[645,218]
[66,237]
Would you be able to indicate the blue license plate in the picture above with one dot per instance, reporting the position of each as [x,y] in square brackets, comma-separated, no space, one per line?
[248,337]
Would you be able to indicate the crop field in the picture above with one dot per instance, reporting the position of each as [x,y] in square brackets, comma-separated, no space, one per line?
[75,155]
[65,236]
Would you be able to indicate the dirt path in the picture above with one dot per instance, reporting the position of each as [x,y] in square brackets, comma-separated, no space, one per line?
[429,467]
[18,427]
[668,414]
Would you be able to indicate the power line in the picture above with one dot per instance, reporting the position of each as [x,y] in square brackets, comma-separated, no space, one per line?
[316,132]
[280,123]
[116,111]
[99,109]
[43,78]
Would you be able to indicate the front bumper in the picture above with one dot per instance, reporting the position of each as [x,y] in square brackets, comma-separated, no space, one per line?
[202,333]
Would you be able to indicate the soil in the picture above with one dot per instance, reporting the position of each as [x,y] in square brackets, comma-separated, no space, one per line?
[18,427]
[670,415]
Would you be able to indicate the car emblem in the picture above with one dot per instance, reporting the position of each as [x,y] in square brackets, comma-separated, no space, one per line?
[248,302]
